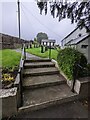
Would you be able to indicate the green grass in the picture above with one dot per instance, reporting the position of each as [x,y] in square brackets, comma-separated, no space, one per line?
[9,59]
[37,52]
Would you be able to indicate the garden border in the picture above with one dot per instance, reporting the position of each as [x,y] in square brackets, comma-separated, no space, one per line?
[11,99]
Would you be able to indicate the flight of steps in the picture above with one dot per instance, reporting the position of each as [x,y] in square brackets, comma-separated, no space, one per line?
[43,86]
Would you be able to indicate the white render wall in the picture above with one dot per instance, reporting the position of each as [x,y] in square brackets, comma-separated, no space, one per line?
[85,51]
[74,36]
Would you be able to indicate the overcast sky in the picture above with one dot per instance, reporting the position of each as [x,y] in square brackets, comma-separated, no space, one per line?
[31,21]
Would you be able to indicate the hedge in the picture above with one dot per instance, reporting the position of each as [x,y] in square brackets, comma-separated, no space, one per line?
[68,60]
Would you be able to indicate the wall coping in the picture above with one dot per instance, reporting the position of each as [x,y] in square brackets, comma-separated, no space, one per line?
[8,92]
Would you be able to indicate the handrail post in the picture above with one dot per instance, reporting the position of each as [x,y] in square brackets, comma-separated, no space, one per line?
[41,49]
[24,53]
[74,80]
[49,50]
[21,95]
[75,75]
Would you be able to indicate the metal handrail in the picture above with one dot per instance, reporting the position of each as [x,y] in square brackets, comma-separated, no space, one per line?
[23,57]
[82,67]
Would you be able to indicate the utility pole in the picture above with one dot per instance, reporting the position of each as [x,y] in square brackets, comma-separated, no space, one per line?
[19,18]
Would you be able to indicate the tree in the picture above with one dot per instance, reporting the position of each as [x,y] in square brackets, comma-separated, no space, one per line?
[41,36]
[35,39]
[78,12]
[35,43]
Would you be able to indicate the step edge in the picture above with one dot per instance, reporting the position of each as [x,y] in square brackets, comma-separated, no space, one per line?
[38,66]
[50,82]
[25,72]
[38,60]
[44,84]
[40,74]
[51,102]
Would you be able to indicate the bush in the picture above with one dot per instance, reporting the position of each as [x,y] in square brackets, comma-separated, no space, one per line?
[68,60]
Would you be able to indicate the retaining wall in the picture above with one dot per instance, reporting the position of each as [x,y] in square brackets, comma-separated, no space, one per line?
[11,99]
[10,42]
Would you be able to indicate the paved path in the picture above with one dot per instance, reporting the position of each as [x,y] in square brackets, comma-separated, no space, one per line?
[68,110]
[28,55]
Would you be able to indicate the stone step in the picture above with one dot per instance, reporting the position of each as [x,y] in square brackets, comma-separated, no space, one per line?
[38,60]
[42,81]
[43,97]
[40,71]
[38,64]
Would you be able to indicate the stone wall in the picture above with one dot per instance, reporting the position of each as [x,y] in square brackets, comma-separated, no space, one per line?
[9,101]
[10,42]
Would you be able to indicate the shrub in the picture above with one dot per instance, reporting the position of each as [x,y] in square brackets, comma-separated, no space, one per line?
[68,60]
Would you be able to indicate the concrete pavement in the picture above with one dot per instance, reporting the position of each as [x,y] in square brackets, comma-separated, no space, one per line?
[67,110]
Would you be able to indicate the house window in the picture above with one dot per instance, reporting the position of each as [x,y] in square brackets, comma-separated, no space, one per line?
[84,46]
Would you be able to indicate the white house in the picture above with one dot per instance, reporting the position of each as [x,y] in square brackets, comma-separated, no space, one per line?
[80,40]
[48,42]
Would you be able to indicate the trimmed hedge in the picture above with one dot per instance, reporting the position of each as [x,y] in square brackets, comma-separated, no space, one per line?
[68,60]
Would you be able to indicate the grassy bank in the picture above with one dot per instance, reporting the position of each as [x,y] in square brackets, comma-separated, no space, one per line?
[37,52]
[9,59]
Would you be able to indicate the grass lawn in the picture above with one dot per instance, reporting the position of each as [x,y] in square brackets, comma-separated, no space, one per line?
[9,59]
[37,52]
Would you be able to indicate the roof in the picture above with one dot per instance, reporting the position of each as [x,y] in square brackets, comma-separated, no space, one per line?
[48,40]
[70,33]
[78,40]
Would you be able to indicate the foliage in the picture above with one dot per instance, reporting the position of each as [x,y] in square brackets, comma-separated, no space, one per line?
[68,60]
[8,77]
[35,39]
[41,36]
[76,11]
[37,52]
[10,59]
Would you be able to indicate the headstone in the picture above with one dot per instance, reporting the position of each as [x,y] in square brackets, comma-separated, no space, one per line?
[27,46]
[42,49]
[30,46]
[46,48]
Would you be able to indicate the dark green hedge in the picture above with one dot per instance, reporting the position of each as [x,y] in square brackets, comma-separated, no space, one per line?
[68,60]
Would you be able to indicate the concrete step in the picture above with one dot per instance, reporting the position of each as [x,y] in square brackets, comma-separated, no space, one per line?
[41,98]
[42,81]
[40,71]
[38,64]
[38,60]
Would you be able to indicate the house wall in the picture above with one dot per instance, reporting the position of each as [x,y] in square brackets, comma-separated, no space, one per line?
[85,51]
[74,35]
